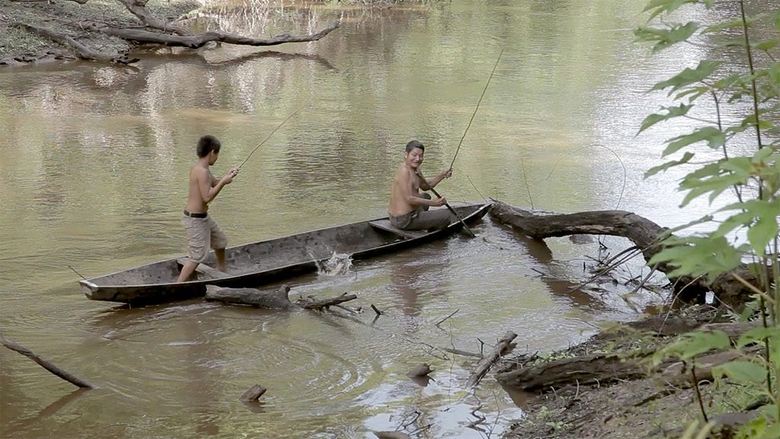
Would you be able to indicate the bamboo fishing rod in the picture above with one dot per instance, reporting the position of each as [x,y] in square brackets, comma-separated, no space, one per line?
[477,108]
[269,136]
[465,227]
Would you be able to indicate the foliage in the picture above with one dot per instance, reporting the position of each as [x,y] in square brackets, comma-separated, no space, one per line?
[735,149]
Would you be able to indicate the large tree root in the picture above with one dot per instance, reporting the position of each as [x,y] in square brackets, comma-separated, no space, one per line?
[82,51]
[200,40]
[152,31]
[645,234]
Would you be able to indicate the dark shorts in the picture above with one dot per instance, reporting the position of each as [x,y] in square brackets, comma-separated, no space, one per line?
[420,219]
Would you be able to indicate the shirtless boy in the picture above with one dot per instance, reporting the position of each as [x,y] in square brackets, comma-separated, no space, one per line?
[202,231]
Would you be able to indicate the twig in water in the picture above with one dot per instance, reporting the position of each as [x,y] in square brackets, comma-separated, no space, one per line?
[45,364]
[444,319]
[377,311]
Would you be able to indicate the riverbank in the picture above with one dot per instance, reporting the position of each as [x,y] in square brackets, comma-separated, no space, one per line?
[654,405]
[19,46]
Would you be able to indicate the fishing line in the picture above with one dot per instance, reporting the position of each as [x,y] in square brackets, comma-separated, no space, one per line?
[476,109]
[475,187]
[74,270]
[525,180]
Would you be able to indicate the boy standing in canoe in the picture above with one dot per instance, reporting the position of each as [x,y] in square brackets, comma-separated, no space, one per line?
[202,231]
[408,208]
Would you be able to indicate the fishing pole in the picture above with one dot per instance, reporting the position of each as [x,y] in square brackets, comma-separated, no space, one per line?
[269,136]
[452,211]
[476,109]
[465,227]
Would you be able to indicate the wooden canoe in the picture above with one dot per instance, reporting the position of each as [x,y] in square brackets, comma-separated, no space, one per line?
[262,262]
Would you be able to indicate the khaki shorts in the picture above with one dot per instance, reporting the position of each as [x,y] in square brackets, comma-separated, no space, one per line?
[202,234]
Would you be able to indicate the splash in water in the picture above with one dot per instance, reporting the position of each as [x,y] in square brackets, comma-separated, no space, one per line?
[337,264]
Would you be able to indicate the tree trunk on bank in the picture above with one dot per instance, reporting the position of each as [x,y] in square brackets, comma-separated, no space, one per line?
[645,234]
[147,30]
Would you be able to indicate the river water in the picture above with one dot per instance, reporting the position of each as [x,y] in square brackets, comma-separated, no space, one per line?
[93,171]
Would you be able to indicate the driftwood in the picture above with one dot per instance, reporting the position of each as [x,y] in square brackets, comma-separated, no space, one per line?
[420,370]
[253,393]
[583,370]
[391,435]
[195,41]
[270,299]
[153,31]
[605,368]
[76,381]
[484,365]
[324,303]
[645,234]
[82,51]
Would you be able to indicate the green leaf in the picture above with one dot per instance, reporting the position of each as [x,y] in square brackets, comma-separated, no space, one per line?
[733,24]
[692,344]
[697,256]
[714,137]
[688,76]
[670,113]
[662,168]
[657,7]
[665,37]
[766,44]
[742,372]
[740,220]
[714,178]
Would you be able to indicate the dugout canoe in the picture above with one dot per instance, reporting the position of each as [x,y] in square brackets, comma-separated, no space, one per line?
[262,262]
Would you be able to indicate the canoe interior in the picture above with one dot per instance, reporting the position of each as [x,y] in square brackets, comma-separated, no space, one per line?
[258,260]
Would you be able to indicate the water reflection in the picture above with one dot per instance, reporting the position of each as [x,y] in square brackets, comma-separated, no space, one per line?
[409,282]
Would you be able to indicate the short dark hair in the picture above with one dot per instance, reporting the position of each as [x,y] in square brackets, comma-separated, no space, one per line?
[414,144]
[206,144]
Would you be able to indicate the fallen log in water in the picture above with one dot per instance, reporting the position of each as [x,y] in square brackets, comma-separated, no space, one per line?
[603,368]
[270,299]
[584,370]
[502,347]
[76,381]
[645,234]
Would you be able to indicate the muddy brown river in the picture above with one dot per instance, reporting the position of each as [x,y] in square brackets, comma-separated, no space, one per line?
[93,165]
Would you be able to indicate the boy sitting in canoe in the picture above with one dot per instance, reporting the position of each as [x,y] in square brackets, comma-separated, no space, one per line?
[408,208]
[202,231]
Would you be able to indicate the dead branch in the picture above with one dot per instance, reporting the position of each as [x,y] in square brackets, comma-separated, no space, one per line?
[83,51]
[324,303]
[138,8]
[484,365]
[195,41]
[45,364]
